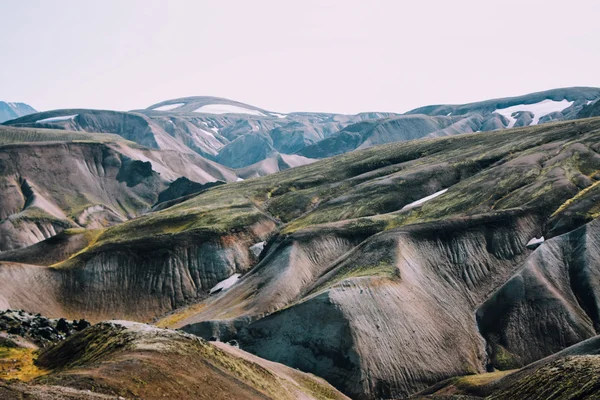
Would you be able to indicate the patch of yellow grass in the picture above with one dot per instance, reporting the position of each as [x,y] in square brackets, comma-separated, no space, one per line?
[171,321]
[18,363]
[574,198]
[481,379]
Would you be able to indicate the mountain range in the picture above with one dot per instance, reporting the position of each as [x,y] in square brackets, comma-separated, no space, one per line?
[448,252]
[239,135]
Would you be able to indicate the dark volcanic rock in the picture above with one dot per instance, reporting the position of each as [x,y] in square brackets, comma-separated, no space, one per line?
[40,330]
[184,187]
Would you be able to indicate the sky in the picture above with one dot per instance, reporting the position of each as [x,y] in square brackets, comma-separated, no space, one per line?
[343,56]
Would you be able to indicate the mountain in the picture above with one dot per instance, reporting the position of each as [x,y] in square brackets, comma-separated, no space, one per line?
[383,271]
[57,180]
[215,128]
[14,110]
[448,119]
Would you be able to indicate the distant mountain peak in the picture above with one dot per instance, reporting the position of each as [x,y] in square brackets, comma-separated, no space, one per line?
[12,110]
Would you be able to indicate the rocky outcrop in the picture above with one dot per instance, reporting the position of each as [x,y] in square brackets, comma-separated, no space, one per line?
[38,329]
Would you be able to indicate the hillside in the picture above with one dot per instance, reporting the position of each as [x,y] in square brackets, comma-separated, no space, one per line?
[129,360]
[53,180]
[366,269]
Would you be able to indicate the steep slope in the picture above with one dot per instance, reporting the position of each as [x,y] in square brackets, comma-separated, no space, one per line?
[131,360]
[551,303]
[14,110]
[51,185]
[592,109]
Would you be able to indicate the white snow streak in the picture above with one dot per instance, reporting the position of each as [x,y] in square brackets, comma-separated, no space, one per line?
[168,107]
[55,119]
[226,284]
[226,109]
[535,241]
[424,199]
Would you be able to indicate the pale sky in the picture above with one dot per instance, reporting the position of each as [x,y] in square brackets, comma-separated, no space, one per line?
[293,55]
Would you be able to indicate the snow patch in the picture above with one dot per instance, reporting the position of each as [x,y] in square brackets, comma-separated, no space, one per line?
[449,114]
[225,284]
[208,133]
[535,242]
[56,119]
[538,110]
[226,109]
[257,248]
[168,107]
[424,199]
[279,115]
[239,179]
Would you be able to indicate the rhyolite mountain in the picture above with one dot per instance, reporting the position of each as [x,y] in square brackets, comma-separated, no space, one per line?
[383,270]
[10,110]
[239,135]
